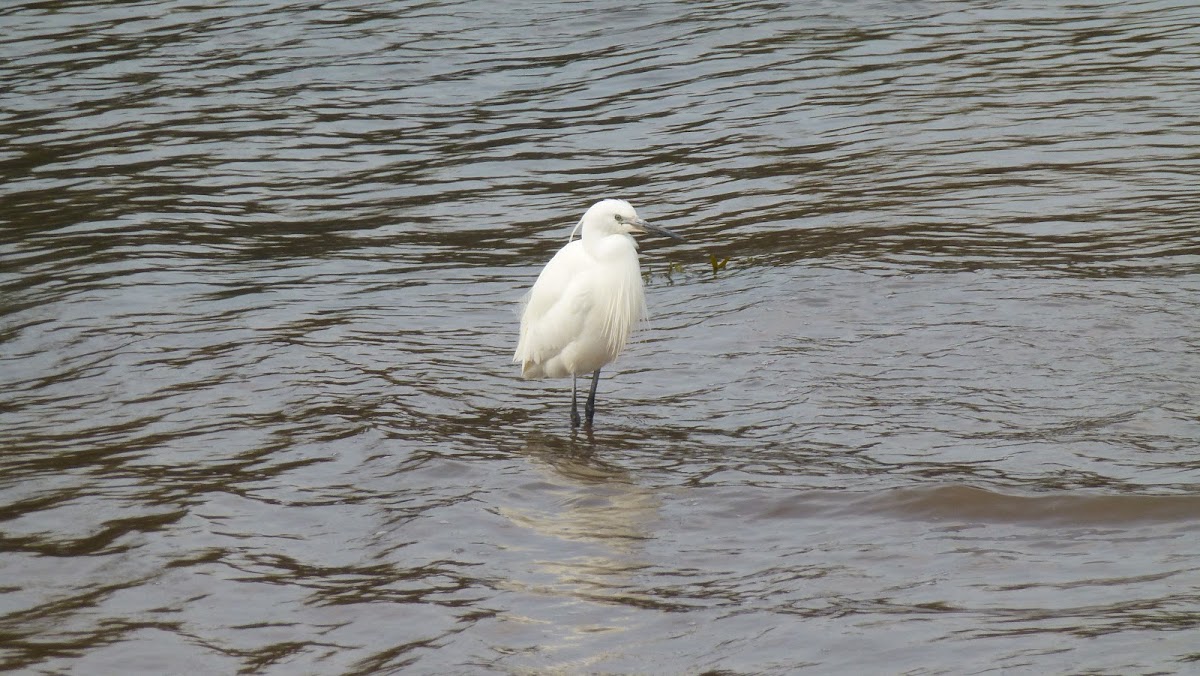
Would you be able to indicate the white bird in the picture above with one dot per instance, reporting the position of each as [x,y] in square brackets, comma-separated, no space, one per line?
[586,301]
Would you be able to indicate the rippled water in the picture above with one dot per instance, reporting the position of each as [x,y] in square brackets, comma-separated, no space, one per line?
[259,267]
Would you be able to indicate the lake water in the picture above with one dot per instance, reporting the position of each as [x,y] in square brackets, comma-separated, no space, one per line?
[259,273]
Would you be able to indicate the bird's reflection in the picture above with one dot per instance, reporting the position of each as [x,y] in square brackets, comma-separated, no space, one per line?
[596,519]
[595,501]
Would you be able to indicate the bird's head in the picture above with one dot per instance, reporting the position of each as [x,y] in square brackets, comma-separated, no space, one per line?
[617,217]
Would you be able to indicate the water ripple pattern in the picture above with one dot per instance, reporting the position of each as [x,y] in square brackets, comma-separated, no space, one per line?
[259,266]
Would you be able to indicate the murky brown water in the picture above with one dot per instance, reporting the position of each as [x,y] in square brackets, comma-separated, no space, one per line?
[258,275]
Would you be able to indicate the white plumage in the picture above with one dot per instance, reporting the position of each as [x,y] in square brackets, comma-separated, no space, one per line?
[587,300]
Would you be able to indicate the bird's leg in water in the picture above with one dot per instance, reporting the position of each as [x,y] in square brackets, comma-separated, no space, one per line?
[590,408]
[574,406]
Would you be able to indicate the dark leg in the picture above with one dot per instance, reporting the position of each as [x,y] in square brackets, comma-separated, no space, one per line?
[590,409]
[574,405]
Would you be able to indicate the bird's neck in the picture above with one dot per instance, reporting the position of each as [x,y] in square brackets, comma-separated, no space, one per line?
[607,247]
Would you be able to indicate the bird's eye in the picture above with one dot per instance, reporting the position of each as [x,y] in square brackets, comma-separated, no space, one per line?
[620,218]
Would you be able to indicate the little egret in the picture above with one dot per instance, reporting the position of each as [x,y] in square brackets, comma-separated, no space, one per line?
[587,299]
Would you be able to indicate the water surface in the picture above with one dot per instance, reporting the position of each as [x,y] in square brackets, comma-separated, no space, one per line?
[259,267]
